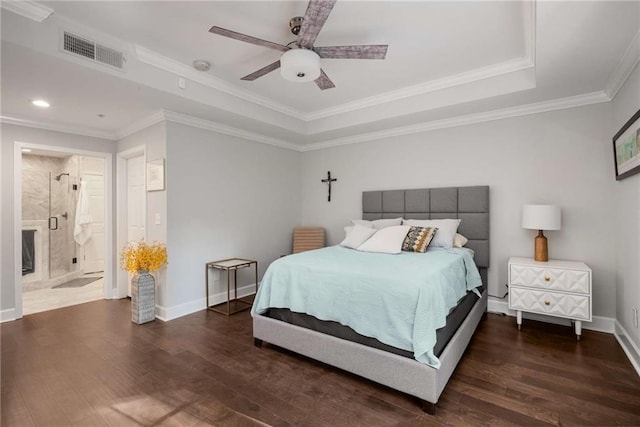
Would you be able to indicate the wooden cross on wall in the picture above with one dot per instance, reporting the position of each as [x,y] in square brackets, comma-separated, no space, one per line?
[329,180]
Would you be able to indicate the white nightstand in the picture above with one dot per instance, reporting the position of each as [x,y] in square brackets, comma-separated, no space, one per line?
[554,288]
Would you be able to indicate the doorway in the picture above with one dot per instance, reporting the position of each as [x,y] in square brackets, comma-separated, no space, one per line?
[62,223]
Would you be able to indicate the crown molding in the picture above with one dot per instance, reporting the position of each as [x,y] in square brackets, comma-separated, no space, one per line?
[184,119]
[76,130]
[175,67]
[27,8]
[423,88]
[139,125]
[157,117]
[150,57]
[494,70]
[171,116]
[627,63]
[535,108]
[517,64]
[167,64]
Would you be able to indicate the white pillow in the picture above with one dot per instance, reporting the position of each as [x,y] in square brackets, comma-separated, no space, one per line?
[459,241]
[378,224]
[386,241]
[348,229]
[356,236]
[447,229]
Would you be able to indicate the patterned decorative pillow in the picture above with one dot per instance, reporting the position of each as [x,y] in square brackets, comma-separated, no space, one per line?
[418,239]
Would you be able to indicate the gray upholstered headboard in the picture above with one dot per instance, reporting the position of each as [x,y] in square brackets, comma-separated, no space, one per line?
[470,204]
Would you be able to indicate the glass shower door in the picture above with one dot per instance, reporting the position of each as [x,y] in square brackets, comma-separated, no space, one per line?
[61,245]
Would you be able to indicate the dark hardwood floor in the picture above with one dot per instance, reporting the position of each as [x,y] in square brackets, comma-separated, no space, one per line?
[89,365]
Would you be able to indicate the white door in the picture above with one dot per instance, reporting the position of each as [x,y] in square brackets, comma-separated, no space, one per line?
[93,175]
[94,248]
[136,203]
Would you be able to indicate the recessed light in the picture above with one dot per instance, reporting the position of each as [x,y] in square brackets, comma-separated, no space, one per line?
[26,150]
[40,103]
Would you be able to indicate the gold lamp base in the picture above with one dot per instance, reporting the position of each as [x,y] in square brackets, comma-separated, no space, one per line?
[541,250]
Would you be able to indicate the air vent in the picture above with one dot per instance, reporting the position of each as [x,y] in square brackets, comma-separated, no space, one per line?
[89,49]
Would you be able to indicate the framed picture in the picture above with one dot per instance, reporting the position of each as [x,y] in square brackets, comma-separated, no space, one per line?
[626,148]
[155,175]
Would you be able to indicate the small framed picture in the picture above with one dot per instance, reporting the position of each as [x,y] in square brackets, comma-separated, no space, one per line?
[155,175]
[626,148]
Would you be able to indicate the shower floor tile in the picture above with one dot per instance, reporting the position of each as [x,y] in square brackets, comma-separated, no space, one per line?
[50,299]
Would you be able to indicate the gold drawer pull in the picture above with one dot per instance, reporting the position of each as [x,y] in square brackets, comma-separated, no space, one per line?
[547,278]
[547,302]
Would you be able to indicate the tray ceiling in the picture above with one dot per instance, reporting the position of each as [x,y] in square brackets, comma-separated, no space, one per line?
[444,59]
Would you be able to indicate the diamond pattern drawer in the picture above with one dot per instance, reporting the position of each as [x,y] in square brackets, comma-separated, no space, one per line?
[553,303]
[550,278]
[553,288]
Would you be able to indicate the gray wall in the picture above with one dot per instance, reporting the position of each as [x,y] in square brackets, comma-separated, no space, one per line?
[562,157]
[229,197]
[226,197]
[626,210]
[9,135]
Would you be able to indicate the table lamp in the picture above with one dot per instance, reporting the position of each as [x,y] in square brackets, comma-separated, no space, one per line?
[541,217]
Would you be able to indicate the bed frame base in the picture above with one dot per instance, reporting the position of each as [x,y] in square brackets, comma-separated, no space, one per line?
[257,342]
[397,372]
[428,407]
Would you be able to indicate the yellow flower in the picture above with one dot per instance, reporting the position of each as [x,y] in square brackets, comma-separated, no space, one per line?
[138,256]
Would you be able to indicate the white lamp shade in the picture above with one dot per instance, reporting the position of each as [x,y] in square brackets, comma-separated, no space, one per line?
[300,65]
[541,217]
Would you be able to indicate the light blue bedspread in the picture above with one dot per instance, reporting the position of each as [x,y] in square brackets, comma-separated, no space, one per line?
[398,299]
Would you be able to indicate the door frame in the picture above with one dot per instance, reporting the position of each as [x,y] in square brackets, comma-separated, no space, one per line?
[110,260]
[123,208]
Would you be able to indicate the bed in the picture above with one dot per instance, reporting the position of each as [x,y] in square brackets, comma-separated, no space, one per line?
[360,353]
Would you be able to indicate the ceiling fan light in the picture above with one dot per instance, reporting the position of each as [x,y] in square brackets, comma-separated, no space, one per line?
[300,65]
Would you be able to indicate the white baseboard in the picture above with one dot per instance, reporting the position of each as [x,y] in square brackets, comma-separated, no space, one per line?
[630,348]
[7,315]
[169,313]
[598,323]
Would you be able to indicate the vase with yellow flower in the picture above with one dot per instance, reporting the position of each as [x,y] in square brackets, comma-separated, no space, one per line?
[139,259]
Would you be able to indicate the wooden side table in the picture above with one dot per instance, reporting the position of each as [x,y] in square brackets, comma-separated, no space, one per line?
[236,304]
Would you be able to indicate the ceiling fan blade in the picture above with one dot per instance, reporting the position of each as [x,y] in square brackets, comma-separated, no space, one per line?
[262,71]
[371,51]
[324,82]
[314,18]
[249,39]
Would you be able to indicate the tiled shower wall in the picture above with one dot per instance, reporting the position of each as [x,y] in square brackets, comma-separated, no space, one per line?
[56,262]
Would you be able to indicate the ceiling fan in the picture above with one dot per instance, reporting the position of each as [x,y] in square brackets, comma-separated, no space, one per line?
[301,63]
